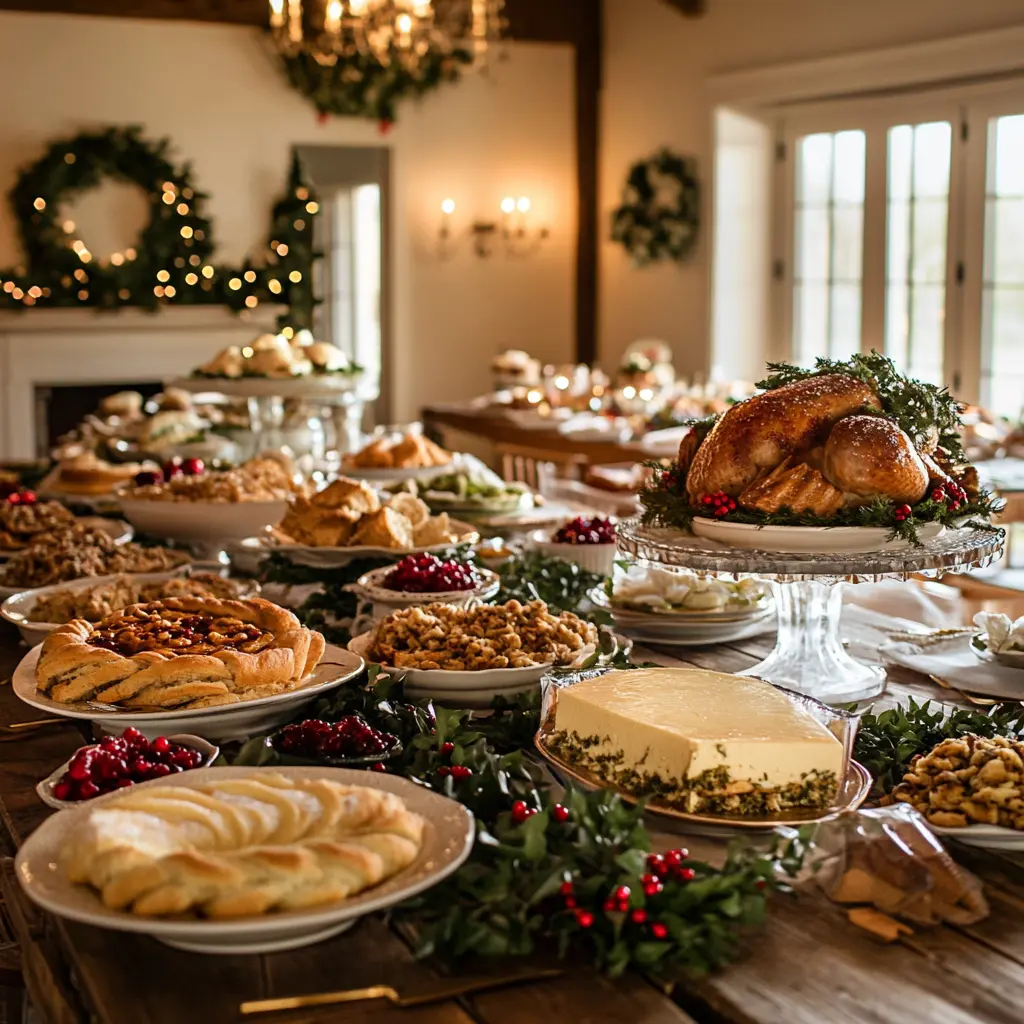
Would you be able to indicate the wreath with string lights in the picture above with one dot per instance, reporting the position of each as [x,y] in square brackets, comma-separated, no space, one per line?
[170,263]
[660,213]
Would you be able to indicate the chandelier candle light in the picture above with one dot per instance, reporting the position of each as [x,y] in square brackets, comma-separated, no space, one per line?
[407,31]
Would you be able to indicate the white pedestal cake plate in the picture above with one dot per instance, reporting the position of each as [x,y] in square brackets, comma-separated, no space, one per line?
[809,655]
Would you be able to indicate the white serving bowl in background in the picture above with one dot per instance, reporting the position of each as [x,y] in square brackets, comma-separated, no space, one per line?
[201,522]
[596,558]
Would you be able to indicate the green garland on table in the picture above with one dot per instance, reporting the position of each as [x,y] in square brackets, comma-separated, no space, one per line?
[573,874]
[363,86]
[650,226]
[887,742]
[915,407]
[170,264]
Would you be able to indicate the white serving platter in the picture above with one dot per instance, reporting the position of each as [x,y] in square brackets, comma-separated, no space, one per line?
[988,837]
[447,840]
[806,539]
[201,522]
[18,609]
[324,385]
[224,722]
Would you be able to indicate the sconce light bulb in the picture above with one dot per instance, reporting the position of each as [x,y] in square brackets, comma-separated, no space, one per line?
[448,207]
[508,205]
[629,393]
[404,24]
[524,204]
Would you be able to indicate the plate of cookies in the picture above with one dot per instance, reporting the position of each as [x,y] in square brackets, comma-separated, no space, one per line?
[218,668]
[299,855]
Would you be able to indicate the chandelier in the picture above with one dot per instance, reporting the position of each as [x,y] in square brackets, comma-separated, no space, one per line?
[406,31]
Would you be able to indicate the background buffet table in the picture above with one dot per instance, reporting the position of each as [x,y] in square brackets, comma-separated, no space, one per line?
[807,965]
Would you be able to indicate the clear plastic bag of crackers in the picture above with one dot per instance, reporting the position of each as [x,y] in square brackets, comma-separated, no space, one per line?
[887,858]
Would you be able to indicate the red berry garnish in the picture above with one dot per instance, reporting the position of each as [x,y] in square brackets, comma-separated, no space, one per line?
[653,888]
[444,771]
[570,902]
[521,811]
[161,745]
[193,467]
[447,748]
[706,499]
[686,874]
[659,931]
[584,918]
[622,893]
[147,478]
[62,790]
[566,888]
[760,884]
[87,790]
[609,906]
[560,813]
[14,498]
[656,865]
[673,858]
[171,468]
[378,767]
[638,916]
[28,497]
[460,771]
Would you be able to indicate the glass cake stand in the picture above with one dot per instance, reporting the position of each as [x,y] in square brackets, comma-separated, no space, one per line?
[809,655]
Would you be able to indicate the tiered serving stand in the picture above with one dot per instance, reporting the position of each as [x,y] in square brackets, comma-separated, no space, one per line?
[809,655]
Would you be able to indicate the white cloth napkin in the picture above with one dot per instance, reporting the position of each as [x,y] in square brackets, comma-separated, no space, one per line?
[1004,634]
[954,661]
[934,605]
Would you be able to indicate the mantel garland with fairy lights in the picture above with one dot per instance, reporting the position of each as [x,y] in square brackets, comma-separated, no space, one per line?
[171,263]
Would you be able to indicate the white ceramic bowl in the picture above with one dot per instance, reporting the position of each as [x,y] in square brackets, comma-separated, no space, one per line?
[447,840]
[979,645]
[987,837]
[201,522]
[18,609]
[806,539]
[226,722]
[370,587]
[596,558]
[45,788]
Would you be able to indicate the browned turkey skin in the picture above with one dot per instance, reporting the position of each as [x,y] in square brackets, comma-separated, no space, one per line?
[809,446]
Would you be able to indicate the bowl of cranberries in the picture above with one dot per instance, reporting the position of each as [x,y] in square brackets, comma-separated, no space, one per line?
[117,762]
[589,542]
[425,579]
[350,741]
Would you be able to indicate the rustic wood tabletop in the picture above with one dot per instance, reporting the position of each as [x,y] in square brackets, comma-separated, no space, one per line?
[808,965]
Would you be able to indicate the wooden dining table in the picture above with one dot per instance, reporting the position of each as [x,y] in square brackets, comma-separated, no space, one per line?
[806,965]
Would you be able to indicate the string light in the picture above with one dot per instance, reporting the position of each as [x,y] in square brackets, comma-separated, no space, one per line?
[170,291]
[250,276]
[295,276]
[158,291]
[116,258]
[274,285]
[302,193]
[194,260]
[247,352]
[208,272]
[169,186]
[81,275]
[312,207]
[130,254]
[163,275]
[186,232]
[83,295]
[234,284]
[186,193]
[168,198]
[69,158]
[251,301]
[35,291]
[179,262]
[8,287]
[191,278]
[182,208]
[18,294]
[39,203]
[282,249]
[299,225]
[29,301]
[124,295]
[68,226]
[288,332]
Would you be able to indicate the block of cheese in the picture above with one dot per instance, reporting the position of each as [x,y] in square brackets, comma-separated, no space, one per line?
[700,741]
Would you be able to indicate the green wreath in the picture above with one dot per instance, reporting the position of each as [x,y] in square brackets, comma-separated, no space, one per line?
[170,264]
[660,212]
[361,86]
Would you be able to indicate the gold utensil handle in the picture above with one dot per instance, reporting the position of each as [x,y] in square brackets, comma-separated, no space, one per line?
[39,723]
[353,995]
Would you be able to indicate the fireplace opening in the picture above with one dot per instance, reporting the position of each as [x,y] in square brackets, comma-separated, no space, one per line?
[59,408]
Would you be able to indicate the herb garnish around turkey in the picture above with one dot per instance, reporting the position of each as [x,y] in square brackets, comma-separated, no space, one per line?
[917,407]
[887,742]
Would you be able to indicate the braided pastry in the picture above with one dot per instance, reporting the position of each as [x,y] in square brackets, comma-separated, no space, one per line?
[238,847]
[184,652]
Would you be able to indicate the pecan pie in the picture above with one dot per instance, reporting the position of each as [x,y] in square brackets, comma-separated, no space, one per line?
[182,652]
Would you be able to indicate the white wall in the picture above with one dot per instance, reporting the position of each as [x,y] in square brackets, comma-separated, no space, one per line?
[215,91]
[656,65]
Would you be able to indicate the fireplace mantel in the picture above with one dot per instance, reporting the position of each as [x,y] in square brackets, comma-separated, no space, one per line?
[70,346]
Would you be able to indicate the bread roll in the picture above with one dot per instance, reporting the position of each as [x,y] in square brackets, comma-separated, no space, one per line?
[869,456]
[755,436]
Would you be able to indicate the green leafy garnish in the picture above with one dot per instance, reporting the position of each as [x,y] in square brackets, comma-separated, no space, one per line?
[887,742]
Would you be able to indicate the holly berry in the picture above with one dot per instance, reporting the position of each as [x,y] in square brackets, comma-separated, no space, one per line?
[14,498]
[566,888]
[193,467]
[444,771]
[570,902]
[584,918]
[148,478]
[172,468]
[28,497]
[656,865]
[560,814]
[673,858]
[447,748]
[653,888]
[521,811]
[378,767]
[622,893]
[686,874]
[938,494]
[903,513]
[638,916]
[720,502]
[659,931]
[460,771]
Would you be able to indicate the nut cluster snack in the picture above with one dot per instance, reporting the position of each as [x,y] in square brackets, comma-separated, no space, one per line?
[79,552]
[21,523]
[968,781]
[513,635]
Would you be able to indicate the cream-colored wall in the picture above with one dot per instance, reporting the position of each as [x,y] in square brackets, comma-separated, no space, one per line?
[656,64]
[215,92]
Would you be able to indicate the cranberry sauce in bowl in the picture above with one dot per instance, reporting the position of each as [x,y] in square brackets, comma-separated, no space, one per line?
[428,574]
[350,740]
[585,531]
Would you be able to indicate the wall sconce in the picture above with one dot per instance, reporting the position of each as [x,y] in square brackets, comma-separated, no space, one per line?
[513,232]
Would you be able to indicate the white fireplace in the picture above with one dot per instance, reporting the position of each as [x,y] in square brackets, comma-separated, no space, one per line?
[61,347]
